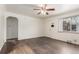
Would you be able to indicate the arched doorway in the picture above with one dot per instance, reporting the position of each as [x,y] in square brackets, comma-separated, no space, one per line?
[12,28]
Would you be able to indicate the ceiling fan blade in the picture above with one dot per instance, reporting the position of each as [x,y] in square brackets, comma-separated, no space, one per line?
[36,9]
[38,13]
[50,9]
[47,13]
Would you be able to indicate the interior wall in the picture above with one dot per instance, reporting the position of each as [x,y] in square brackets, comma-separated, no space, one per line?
[53,31]
[2,11]
[30,27]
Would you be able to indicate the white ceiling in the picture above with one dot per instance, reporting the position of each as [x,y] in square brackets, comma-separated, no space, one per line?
[27,9]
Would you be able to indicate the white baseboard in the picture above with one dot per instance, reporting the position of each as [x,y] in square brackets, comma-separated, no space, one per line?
[76,43]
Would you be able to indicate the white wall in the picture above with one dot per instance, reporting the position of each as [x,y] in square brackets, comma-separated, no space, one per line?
[2,11]
[53,32]
[30,27]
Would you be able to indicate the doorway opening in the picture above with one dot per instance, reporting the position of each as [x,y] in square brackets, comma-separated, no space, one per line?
[12,28]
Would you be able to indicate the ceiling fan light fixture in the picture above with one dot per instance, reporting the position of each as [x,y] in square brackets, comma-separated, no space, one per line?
[44,10]
[41,5]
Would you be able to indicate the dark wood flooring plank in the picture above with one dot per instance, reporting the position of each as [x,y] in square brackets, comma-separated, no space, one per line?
[44,45]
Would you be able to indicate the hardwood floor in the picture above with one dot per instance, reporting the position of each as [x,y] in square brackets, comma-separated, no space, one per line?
[44,45]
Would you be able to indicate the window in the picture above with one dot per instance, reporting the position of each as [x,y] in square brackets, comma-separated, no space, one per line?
[69,24]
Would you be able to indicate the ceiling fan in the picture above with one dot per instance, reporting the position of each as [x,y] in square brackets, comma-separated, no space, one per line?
[44,10]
